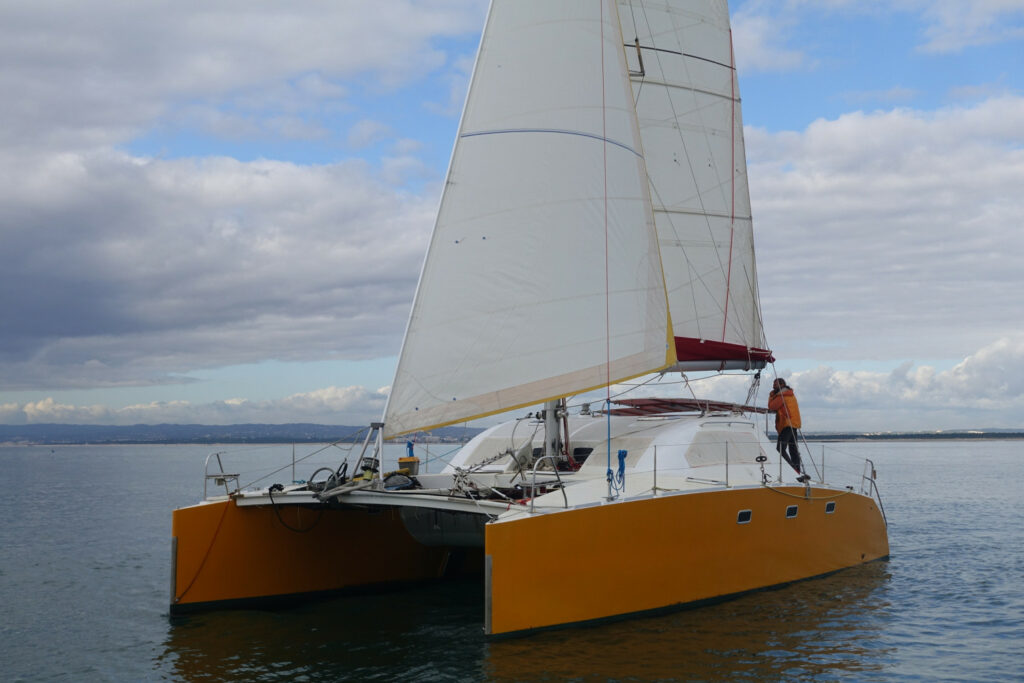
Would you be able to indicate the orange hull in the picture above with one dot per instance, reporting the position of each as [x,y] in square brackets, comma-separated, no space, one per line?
[226,553]
[638,556]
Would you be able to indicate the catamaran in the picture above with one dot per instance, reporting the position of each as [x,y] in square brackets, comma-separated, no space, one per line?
[595,227]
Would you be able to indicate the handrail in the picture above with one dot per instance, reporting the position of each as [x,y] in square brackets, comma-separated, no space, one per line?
[554,466]
[869,466]
[220,478]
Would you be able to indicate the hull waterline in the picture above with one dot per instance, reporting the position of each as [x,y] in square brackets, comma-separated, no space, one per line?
[227,555]
[639,556]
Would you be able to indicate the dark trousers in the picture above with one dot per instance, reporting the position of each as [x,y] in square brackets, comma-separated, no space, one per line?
[787,438]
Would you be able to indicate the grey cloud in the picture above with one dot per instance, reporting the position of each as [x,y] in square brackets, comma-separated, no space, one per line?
[119,270]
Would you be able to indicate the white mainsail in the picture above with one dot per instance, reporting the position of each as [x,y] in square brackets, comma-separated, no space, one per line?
[543,277]
[687,100]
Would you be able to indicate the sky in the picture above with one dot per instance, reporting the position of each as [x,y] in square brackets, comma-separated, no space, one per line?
[216,212]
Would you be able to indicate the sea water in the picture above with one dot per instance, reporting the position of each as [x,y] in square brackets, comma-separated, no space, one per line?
[85,564]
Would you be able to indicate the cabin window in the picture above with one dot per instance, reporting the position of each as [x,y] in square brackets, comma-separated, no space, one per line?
[743,517]
[830,507]
[791,511]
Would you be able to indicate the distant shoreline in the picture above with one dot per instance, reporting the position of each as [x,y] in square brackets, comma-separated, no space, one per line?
[916,436]
[171,434]
[179,434]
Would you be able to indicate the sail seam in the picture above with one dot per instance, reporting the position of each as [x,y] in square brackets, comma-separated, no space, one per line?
[559,131]
[687,88]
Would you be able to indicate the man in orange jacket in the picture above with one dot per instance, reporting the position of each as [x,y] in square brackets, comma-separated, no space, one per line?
[782,401]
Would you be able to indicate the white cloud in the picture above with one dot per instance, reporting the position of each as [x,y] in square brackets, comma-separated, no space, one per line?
[763,29]
[368,132]
[759,40]
[353,405]
[458,85]
[985,390]
[81,75]
[957,24]
[892,234]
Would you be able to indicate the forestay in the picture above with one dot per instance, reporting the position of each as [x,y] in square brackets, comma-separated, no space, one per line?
[543,276]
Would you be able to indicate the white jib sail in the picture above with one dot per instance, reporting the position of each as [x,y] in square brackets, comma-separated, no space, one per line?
[543,276]
[688,106]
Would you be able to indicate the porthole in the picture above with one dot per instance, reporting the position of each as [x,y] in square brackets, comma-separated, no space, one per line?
[830,507]
[791,511]
[744,517]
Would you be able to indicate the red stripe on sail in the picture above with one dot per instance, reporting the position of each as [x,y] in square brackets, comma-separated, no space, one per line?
[688,349]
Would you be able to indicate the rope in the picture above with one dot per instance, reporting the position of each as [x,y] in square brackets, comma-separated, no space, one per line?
[617,479]
[202,564]
[607,276]
[286,525]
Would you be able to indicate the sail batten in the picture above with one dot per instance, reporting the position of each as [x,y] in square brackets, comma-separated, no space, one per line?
[580,133]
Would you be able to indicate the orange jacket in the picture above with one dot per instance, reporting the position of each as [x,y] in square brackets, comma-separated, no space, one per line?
[787,410]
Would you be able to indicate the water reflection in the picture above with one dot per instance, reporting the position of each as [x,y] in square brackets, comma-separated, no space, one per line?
[826,628]
[431,634]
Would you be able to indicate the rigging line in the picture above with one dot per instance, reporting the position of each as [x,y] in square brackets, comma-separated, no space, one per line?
[700,197]
[752,275]
[756,312]
[346,439]
[607,284]
[732,182]
[690,388]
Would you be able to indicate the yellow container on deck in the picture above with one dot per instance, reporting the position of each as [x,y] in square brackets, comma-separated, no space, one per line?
[411,463]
